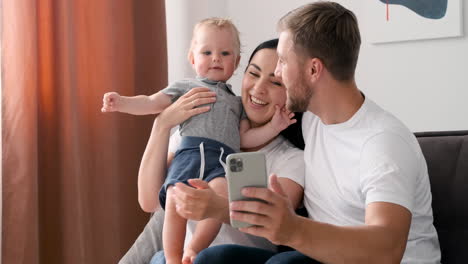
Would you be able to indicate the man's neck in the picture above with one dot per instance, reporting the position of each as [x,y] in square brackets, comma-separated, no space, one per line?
[336,102]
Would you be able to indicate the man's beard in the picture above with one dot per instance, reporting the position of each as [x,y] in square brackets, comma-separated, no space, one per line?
[298,100]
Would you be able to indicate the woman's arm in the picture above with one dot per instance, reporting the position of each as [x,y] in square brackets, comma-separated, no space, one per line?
[155,159]
[153,167]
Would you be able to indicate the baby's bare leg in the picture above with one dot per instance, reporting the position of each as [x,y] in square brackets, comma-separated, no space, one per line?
[207,229]
[173,231]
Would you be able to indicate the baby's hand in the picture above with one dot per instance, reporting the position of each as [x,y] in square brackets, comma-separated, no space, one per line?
[282,119]
[189,256]
[110,102]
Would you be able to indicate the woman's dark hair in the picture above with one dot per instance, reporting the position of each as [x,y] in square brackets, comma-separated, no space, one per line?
[294,132]
[269,44]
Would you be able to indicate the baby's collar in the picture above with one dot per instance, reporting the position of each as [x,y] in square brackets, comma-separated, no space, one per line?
[218,83]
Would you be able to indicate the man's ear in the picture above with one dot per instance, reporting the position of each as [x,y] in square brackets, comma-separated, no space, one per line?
[314,68]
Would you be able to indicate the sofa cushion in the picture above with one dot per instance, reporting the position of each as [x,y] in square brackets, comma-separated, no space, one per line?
[446,155]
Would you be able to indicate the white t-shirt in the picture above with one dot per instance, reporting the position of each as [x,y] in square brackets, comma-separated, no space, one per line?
[372,157]
[283,159]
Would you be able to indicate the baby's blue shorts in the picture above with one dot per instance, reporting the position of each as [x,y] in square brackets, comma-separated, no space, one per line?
[186,163]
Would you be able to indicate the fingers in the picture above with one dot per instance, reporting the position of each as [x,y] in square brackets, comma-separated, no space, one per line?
[254,219]
[189,204]
[260,193]
[200,101]
[109,101]
[287,116]
[254,230]
[182,190]
[199,184]
[186,260]
[248,207]
[197,90]
[198,110]
[185,195]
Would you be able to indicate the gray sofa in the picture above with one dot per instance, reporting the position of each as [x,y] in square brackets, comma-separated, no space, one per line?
[446,154]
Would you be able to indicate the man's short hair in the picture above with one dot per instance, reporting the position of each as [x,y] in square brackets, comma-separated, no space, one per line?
[327,31]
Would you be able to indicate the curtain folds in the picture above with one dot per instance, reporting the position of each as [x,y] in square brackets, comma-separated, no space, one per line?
[69,171]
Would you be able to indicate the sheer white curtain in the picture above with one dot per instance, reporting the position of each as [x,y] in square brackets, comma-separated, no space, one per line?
[181,16]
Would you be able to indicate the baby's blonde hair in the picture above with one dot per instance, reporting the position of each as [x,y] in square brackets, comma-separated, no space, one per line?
[220,23]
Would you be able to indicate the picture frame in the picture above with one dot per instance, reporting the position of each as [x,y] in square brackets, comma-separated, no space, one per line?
[405,20]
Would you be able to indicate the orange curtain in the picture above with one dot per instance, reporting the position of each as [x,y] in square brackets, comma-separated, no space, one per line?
[70,172]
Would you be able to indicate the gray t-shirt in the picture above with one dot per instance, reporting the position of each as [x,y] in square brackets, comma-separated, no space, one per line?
[221,123]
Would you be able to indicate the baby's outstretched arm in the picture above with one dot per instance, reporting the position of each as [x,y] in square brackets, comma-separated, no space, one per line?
[135,105]
[253,137]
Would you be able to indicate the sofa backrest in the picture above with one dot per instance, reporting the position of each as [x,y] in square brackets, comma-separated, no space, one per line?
[446,155]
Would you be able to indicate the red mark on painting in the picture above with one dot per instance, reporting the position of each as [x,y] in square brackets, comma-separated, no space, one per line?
[387,12]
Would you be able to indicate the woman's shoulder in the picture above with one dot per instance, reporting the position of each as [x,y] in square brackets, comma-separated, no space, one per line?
[282,149]
[286,160]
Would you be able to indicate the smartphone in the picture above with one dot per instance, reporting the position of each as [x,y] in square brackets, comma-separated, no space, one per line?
[246,169]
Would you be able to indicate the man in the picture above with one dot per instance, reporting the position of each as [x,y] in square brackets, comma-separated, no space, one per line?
[366,189]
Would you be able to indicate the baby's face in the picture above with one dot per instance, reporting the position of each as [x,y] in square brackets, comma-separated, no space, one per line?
[214,55]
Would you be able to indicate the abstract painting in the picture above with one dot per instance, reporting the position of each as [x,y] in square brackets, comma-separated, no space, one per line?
[403,20]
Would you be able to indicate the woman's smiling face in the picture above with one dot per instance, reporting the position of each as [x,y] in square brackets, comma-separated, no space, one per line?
[261,89]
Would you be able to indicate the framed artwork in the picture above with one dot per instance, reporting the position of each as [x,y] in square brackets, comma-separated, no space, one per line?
[403,20]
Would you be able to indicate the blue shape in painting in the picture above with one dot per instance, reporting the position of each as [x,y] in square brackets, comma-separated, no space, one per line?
[433,9]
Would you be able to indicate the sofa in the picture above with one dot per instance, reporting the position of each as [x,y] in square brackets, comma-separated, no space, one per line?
[446,155]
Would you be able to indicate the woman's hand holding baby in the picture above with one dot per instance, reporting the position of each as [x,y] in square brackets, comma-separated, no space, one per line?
[187,106]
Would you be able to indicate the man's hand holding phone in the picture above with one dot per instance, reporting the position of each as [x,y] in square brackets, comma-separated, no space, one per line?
[273,219]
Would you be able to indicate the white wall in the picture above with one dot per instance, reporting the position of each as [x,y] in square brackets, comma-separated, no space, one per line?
[424,83]
[181,16]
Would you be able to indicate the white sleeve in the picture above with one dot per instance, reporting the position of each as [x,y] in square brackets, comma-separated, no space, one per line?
[389,170]
[290,165]
[174,141]
[306,121]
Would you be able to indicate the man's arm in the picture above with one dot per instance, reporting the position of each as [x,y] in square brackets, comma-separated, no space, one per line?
[381,240]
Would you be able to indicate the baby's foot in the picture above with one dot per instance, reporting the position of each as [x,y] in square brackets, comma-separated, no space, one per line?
[189,256]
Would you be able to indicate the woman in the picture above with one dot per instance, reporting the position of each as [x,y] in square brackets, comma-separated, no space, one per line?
[262,92]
